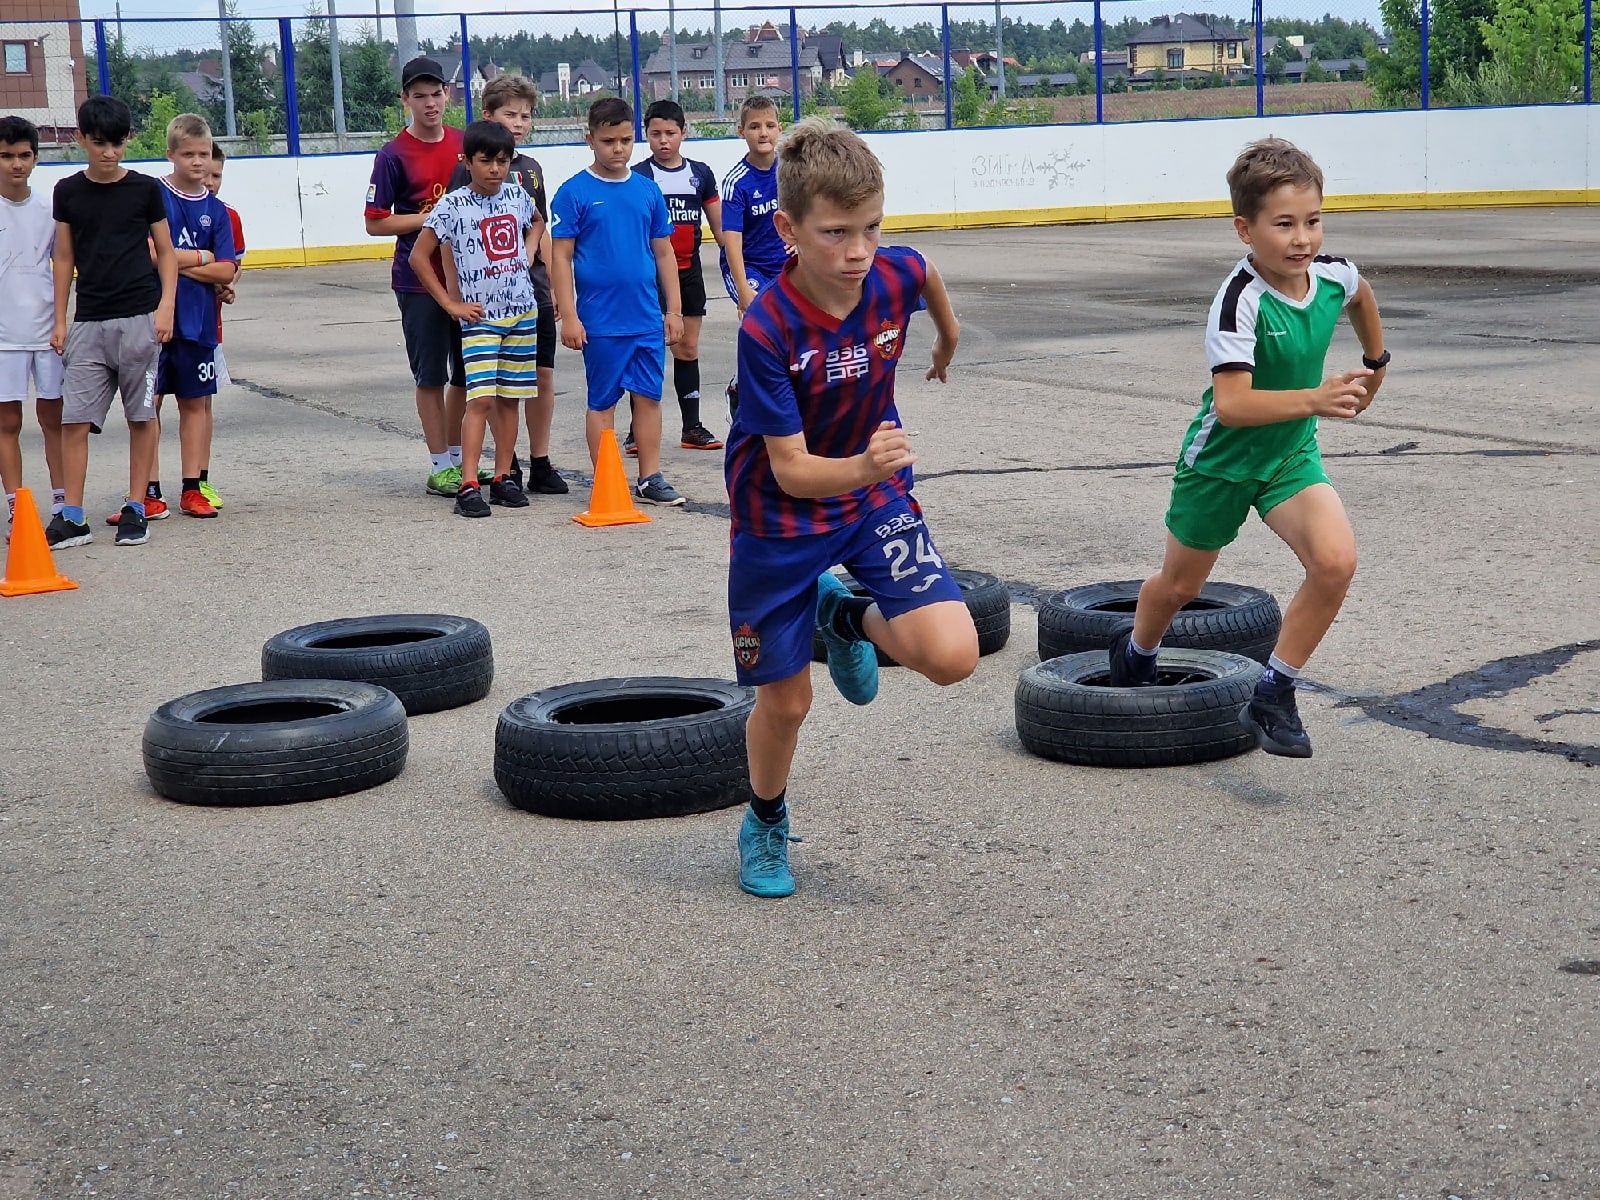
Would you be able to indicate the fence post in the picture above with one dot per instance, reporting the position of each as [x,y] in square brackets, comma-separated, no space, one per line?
[1588,51]
[291,101]
[949,90]
[466,69]
[1424,49]
[1099,67]
[1259,16]
[638,84]
[794,63]
[102,52]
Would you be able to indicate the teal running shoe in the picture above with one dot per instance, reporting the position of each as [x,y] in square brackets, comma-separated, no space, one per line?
[764,857]
[446,482]
[853,665]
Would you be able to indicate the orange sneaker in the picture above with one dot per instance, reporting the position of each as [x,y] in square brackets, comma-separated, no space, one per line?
[194,504]
[154,510]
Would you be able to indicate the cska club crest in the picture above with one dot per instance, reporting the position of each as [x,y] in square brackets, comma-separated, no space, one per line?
[887,341]
[747,646]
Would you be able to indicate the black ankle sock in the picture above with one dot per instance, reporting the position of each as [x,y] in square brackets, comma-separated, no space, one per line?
[1274,685]
[205,476]
[152,490]
[848,617]
[686,382]
[770,811]
[191,485]
[542,461]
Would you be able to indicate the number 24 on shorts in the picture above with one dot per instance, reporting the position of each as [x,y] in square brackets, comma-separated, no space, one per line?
[898,551]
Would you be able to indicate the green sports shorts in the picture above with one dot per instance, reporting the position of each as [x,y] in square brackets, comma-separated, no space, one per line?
[1206,513]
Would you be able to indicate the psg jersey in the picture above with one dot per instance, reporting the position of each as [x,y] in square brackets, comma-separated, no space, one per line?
[802,370]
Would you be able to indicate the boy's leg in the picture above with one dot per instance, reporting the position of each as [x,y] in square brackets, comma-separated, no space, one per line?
[192,447]
[773,732]
[1316,528]
[75,459]
[48,375]
[647,433]
[603,365]
[938,641]
[10,445]
[1183,572]
[90,384]
[504,416]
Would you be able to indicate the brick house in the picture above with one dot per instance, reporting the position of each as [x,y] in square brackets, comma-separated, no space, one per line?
[42,75]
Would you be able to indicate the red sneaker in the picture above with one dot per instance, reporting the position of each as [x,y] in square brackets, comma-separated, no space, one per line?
[194,504]
[154,510]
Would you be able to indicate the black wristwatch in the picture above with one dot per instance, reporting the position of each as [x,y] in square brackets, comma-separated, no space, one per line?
[1375,364]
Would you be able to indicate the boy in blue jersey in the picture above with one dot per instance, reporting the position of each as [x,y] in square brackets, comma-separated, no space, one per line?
[1253,444]
[752,251]
[819,472]
[613,251]
[202,238]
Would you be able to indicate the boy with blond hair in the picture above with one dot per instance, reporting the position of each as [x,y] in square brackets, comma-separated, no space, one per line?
[752,251]
[1253,444]
[819,472]
[107,220]
[27,240]
[510,101]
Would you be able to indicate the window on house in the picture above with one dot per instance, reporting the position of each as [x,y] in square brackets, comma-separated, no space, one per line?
[16,58]
[739,80]
[1233,49]
[1175,60]
[917,83]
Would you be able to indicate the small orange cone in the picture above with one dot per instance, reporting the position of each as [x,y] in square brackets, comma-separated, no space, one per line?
[610,502]
[29,568]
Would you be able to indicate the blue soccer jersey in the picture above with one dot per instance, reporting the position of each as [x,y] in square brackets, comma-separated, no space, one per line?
[804,371]
[197,222]
[749,198]
[613,222]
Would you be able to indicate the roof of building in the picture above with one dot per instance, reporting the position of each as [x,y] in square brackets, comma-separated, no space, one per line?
[737,56]
[1185,27]
[588,71]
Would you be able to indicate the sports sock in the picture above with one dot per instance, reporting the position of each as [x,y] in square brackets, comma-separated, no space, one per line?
[11,504]
[1135,648]
[771,811]
[205,476]
[152,490]
[440,462]
[686,382]
[191,484]
[58,500]
[137,506]
[1278,678]
[455,456]
[73,513]
[847,618]
[541,463]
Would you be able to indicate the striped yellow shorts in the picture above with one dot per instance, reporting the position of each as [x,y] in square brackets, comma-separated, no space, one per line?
[500,357]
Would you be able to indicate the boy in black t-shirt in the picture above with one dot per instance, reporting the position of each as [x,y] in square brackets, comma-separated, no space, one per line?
[107,219]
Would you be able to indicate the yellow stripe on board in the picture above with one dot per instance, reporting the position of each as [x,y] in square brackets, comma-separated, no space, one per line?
[316,256]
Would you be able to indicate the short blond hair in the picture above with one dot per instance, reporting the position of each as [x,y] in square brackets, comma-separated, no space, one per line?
[821,159]
[499,92]
[1265,166]
[753,104]
[185,126]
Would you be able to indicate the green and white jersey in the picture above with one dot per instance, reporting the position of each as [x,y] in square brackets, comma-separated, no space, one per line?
[1283,343]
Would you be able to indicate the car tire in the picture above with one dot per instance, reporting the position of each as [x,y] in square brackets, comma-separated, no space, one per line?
[431,661]
[1228,617]
[987,599]
[625,749]
[277,742]
[1066,712]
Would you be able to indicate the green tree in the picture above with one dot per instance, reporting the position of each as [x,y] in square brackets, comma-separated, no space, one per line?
[370,85]
[968,98]
[252,91]
[150,138]
[865,105]
[123,69]
[1535,50]
[1315,72]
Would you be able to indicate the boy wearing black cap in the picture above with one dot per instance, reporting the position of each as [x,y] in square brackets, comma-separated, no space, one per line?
[408,177]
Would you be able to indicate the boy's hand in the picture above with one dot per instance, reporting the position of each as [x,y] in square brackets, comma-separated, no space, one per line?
[572,334]
[58,337]
[942,354]
[673,327]
[1341,395]
[1372,386]
[747,297]
[463,311]
[163,319]
[225,292]
[887,452]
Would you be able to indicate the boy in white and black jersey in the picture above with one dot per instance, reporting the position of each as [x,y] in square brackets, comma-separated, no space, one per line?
[1253,444]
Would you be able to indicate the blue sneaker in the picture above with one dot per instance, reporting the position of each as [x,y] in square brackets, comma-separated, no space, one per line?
[852,664]
[764,857]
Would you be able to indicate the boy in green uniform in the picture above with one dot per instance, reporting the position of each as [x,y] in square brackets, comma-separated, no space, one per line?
[1253,444]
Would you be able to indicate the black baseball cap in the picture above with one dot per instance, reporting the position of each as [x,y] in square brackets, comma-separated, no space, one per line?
[421,68]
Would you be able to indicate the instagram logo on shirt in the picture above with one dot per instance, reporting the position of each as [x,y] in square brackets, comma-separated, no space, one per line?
[501,236]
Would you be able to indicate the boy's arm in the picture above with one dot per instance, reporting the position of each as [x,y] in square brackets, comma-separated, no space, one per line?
[167,269]
[667,278]
[807,476]
[1364,319]
[713,212]
[62,265]
[395,224]
[733,247]
[946,329]
[1237,402]
[206,267]
[566,297]
[422,265]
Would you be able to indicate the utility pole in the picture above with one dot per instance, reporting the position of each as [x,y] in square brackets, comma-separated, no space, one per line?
[227,64]
[1000,51]
[672,45]
[405,30]
[338,74]
[716,51]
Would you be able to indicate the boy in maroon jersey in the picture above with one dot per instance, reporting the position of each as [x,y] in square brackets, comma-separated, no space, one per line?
[819,472]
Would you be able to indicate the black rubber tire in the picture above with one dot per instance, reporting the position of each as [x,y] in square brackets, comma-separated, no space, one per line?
[988,600]
[1066,713]
[328,737]
[625,749]
[1228,617]
[432,662]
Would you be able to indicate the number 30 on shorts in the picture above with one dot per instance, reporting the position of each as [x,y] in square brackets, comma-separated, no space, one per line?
[205,370]
[899,552]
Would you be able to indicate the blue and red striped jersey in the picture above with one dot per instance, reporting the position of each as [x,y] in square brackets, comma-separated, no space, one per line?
[804,371]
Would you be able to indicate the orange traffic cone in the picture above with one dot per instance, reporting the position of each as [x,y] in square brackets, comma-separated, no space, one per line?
[29,567]
[610,502]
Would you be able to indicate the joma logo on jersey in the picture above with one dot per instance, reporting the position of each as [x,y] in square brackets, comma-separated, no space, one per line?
[888,341]
[746,646]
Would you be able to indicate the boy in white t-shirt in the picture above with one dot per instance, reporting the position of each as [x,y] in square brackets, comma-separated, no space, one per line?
[27,242]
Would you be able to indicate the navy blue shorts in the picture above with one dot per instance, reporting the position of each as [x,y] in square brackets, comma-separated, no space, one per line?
[772,584]
[614,365]
[758,279]
[186,370]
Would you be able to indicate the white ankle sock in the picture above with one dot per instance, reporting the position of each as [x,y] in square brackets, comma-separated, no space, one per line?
[1138,649]
[455,456]
[440,461]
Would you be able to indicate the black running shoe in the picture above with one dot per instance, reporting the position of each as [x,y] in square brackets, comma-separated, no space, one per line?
[542,478]
[63,533]
[516,469]
[698,437]
[629,446]
[470,502]
[507,492]
[733,399]
[132,528]
[1275,721]
[1129,669]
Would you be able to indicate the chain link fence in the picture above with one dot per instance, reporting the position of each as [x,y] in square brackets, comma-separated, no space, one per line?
[329,82]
